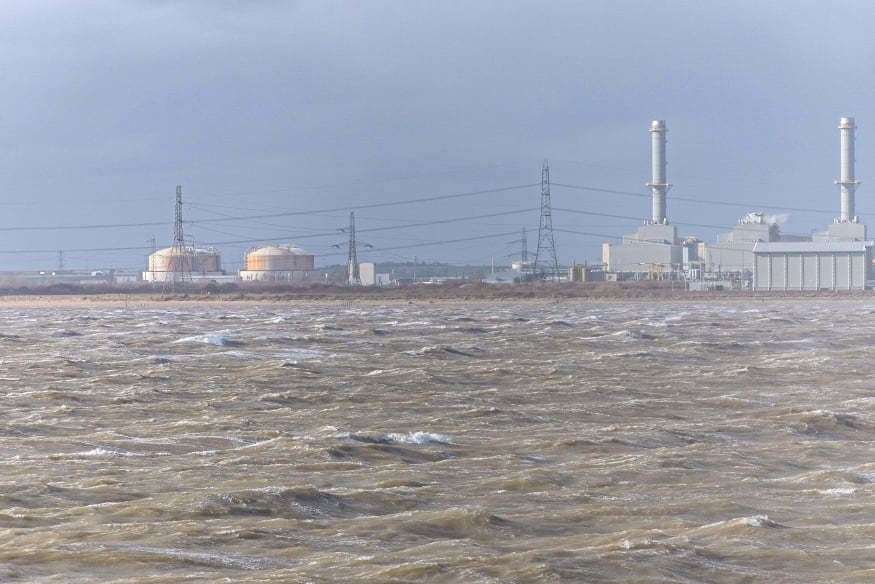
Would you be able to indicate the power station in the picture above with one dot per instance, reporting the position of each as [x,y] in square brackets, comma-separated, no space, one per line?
[654,250]
[755,254]
[839,258]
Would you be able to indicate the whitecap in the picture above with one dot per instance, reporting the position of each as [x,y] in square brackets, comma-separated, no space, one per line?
[217,339]
[419,438]
[837,492]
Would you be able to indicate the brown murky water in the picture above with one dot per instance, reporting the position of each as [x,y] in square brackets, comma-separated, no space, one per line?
[446,442]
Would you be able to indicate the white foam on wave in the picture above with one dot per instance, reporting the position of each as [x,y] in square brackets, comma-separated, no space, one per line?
[750,521]
[423,351]
[413,323]
[246,446]
[198,557]
[102,452]
[757,521]
[629,335]
[419,438]
[217,339]
[108,452]
[837,492]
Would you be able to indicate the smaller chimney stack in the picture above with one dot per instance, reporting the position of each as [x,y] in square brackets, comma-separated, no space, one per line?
[658,185]
[847,180]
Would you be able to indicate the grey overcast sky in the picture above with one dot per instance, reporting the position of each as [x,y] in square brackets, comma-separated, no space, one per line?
[268,106]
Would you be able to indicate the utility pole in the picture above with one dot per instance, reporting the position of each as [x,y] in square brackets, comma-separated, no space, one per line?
[546,259]
[60,260]
[353,277]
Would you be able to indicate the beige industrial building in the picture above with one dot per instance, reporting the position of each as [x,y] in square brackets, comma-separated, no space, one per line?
[177,263]
[277,263]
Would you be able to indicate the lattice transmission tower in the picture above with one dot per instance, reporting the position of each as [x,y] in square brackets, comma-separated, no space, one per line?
[353,278]
[180,260]
[524,252]
[546,260]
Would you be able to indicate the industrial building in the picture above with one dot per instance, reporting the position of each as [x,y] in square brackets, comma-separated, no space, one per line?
[585,273]
[84,278]
[654,249]
[733,252]
[369,276]
[812,265]
[186,263]
[755,253]
[838,259]
[277,263]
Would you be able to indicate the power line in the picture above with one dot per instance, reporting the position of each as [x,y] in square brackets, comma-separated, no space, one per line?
[86,227]
[371,205]
[270,215]
[376,229]
[429,243]
[694,200]
[612,216]
[274,238]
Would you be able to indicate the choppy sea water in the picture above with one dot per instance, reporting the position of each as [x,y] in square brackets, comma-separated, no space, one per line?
[447,442]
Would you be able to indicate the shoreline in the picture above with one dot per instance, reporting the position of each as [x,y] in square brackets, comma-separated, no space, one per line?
[548,295]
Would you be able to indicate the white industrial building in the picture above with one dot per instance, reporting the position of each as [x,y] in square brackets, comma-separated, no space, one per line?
[837,259]
[186,262]
[812,265]
[368,274]
[733,252]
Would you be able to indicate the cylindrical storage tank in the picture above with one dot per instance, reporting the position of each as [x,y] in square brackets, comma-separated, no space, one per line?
[279,258]
[207,260]
[187,259]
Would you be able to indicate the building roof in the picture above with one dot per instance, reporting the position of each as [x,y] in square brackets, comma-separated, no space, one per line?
[278,250]
[811,246]
[166,251]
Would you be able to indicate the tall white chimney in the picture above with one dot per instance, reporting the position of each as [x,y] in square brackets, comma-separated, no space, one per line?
[847,180]
[658,184]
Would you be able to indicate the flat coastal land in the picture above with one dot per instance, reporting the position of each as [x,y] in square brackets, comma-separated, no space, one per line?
[474,292]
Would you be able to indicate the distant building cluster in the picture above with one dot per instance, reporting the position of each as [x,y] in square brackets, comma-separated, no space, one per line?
[755,254]
[269,263]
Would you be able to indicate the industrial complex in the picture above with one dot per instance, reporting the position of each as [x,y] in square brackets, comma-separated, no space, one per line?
[754,255]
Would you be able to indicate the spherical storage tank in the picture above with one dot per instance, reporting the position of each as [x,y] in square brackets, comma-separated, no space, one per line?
[279,258]
[188,259]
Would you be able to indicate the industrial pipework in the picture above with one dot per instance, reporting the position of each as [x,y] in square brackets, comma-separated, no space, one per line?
[658,184]
[847,181]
